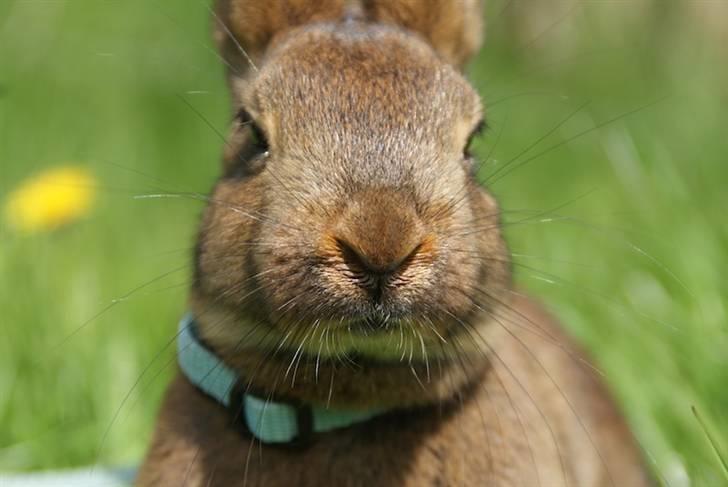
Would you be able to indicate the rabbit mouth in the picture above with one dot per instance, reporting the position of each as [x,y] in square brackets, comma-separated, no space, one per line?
[372,325]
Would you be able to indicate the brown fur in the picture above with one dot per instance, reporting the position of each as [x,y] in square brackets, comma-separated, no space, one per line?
[352,260]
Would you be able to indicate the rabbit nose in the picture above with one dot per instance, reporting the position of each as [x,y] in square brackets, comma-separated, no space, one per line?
[357,259]
[369,272]
[377,236]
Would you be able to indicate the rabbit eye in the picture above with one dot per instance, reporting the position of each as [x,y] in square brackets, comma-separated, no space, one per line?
[258,141]
[257,138]
[253,150]
[478,130]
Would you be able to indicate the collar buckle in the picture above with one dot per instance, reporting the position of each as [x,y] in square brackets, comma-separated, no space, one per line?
[250,420]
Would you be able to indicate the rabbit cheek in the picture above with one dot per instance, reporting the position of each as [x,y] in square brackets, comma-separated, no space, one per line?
[223,255]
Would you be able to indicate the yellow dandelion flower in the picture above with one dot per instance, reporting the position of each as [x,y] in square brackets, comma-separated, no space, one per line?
[51,199]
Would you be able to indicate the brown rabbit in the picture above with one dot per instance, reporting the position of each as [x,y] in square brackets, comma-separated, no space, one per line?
[352,315]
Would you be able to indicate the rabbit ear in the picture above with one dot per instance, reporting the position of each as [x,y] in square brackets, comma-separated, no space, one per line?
[453,27]
[244,28]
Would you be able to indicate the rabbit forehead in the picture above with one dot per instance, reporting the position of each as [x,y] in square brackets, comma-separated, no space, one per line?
[376,102]
[374,75]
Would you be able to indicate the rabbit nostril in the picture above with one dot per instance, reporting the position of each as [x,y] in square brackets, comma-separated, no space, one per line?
[355,261]
[375,276]
[360,263]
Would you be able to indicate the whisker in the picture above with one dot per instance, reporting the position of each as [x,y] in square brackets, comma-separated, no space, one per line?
[505,167]
[575,137]
[230,35]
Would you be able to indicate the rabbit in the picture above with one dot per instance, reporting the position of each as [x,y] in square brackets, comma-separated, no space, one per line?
[351,278]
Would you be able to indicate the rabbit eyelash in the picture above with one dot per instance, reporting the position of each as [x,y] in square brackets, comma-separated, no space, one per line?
[254,153]
[479,129]
[259,139]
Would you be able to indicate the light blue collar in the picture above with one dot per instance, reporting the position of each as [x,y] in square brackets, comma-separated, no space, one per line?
[268,421]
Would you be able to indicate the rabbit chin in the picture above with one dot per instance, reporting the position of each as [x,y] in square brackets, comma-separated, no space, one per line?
[398,341]
[402,340]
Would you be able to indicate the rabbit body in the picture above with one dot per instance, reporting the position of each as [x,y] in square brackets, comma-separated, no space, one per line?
[348,258]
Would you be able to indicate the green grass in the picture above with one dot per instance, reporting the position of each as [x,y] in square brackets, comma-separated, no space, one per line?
[621,231]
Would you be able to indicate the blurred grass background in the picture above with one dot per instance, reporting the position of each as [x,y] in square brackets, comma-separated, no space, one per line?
[621,230]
